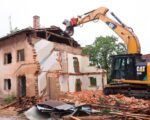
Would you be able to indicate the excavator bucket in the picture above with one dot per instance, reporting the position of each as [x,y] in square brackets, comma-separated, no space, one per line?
[70,26]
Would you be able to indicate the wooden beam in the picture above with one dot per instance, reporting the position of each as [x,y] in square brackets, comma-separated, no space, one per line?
[59,35]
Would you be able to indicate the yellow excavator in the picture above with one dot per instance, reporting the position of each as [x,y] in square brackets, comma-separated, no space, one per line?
[130,71]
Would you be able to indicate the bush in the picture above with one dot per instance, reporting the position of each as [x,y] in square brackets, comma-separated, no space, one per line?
[9,99]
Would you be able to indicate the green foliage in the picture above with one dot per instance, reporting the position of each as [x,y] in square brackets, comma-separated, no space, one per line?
[9,99]
[105,111]
[101,50]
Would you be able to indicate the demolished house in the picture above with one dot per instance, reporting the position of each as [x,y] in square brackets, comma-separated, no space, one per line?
[45,62]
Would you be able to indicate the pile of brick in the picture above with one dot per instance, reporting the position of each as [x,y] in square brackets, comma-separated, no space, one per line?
[97,98]
[24,103]
[90,97]
[20,104]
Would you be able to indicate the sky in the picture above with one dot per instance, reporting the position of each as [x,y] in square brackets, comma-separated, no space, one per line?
[134,13]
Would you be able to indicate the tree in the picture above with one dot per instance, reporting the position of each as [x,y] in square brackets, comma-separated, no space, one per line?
[101,50]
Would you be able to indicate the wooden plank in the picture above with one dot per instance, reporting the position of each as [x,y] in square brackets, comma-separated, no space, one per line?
[138,116]
[74,118]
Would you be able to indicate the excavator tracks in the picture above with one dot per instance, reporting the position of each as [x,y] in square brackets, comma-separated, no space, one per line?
[137,91]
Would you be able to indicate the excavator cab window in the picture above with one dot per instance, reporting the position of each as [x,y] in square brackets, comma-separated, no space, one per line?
[123,67]
[119,68]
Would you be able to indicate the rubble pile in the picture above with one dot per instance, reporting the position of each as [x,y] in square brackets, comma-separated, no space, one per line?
[90,97]
[96,98]
[20,104]
[24,103]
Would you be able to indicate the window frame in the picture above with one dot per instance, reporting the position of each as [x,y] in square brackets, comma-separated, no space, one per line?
[20,57]
[91,81]
[76,64]
[7,84]
[6,56]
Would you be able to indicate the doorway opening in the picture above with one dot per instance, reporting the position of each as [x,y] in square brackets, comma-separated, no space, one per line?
[78,85]
[22,86]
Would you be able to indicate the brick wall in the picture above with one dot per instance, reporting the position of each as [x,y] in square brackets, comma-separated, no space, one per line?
[27,68]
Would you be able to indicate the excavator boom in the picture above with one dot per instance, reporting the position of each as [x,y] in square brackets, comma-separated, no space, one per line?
[124,32]
[131,72]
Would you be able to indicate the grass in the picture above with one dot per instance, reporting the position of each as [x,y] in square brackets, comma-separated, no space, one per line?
[9,99]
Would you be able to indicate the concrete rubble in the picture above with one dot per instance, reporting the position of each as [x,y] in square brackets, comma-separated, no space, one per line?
[71,106]
[113,105]
[97,97]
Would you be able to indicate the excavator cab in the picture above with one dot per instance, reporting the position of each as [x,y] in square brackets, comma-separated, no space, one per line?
[128,67]
[123,67]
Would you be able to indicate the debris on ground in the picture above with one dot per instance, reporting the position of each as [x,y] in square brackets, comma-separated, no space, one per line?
[84,105]
[19,105]
[97,97]
[56,110]
[24,103]
[118,106]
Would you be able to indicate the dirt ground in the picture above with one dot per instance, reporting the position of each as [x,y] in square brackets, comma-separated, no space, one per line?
[9,114]
[14,117]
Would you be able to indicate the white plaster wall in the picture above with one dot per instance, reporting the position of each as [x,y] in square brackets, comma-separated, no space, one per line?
[83,64]
[72,82]
[63,81]
[70,62]
[43,49]
[85,82]
[85,67]
[47,59]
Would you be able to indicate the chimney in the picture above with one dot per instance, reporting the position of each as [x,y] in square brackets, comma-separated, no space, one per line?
[36,22]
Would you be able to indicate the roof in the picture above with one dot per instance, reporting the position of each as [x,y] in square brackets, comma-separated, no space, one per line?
[55,34]
[15,33]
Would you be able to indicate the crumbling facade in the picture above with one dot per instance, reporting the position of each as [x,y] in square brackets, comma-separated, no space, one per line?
[45,62]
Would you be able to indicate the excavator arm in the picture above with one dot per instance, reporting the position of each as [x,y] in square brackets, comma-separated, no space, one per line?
[124,32]
[130,70]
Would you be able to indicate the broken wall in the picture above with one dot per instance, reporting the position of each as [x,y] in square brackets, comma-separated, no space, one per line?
[68,83]
[84,64]
[57,67]
[48,60]
[64,83]
[85,73]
